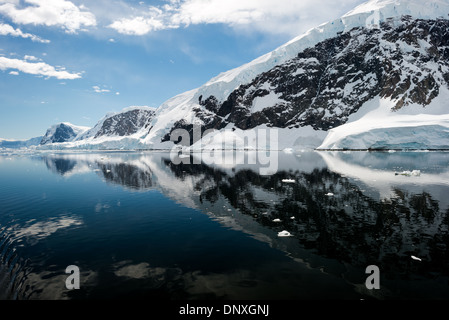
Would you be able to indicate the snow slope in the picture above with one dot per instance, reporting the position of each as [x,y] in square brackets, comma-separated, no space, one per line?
[378,127]
[368,15]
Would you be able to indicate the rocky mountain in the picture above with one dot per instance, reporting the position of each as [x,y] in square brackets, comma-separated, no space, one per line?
[125,123]
[378,77]
[405,60]
[117,130]
[62,132]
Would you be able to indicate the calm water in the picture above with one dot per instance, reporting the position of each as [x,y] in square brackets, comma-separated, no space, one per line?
[139,226]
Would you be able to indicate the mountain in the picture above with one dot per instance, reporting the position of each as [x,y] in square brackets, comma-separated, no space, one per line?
[125,123]
[376,78]
[17,144]
[62,132]
[116,130]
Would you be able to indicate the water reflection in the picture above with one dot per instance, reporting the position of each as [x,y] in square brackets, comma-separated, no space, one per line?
[344,210]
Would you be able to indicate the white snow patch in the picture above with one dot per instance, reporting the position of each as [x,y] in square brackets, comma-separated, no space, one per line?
[266,101]
[284,234]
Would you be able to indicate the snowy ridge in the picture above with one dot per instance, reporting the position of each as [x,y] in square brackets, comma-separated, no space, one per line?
[420,9]
[178,107]
[119,130]
[62,132]
[224,83]
[140,111]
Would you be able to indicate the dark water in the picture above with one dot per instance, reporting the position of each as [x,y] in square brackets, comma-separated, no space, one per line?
[139,226]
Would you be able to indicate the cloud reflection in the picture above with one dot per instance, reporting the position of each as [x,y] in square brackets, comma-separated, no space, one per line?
[35,231]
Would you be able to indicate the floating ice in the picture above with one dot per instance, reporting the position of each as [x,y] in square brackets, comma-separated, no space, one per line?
[415,173]
[284,234]
[288,180]
[330,194]
[277,220]
[416,258]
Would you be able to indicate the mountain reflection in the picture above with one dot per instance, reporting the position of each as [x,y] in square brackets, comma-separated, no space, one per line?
[345,210]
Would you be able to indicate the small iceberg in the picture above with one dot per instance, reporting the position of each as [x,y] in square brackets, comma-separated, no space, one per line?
[277,220]
[288,181]
[415,173]
[284,234]
[330,194]
[416,258]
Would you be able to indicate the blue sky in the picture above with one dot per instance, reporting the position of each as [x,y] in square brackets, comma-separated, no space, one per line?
[75,61]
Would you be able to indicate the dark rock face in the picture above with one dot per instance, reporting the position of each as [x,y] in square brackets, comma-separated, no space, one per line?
[62,133]
[406,60]
[126,123]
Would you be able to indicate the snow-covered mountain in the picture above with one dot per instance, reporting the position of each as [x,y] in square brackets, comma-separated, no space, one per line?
[17,144]
[62,132]
[118,130]
[378,77]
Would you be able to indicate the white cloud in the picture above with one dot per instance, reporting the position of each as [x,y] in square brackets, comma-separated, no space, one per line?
[61,13]
[6,29]
[269,16]
[97,89]
[31,58]
[138,26]
[14,73]
[36,68]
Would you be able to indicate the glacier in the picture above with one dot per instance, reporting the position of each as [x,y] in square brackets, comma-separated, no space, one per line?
[375,126]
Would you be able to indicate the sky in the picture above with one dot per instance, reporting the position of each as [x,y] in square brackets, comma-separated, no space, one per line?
[78,60]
